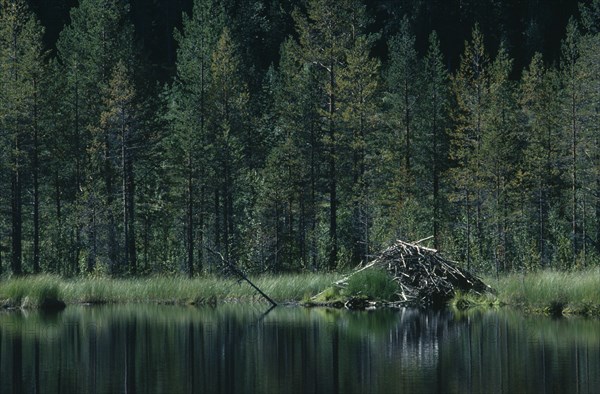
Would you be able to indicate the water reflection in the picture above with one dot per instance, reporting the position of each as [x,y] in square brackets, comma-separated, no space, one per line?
[238,349]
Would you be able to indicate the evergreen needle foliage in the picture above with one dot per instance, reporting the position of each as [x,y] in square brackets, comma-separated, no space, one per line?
[175,138]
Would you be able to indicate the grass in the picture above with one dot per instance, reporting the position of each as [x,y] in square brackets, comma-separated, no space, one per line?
[32,291]
[373,284]
[554,293]
[550,292]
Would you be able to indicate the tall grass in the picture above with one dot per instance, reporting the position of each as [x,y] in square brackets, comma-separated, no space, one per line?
[32,290]
[554,292]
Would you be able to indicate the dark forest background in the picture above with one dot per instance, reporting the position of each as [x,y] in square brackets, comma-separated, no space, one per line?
[142,137]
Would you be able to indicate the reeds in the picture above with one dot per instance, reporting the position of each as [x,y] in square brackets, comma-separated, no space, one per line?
[31,291]
[550,292]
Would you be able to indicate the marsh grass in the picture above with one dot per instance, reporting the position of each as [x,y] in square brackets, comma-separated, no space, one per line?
[552,292]
[31,291]
[373,284]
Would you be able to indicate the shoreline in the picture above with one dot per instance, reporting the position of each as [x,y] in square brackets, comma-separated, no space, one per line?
[552,293]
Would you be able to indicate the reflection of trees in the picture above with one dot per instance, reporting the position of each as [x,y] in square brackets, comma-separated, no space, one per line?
[234,349]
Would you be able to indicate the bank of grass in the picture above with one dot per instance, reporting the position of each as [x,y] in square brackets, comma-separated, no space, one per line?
[34,291]
[31,292]
[554,293]
[366,285]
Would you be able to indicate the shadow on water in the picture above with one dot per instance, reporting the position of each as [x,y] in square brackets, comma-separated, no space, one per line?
[247,348]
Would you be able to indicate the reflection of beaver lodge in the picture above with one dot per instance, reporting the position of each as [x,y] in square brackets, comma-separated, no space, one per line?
[423,276]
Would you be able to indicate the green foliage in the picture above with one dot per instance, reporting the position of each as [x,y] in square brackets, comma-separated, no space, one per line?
[373,284]
[312,154]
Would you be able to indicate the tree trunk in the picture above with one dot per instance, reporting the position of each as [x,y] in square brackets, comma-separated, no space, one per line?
[190,217]
[436,176]
[36,189]
[16,216]
[332,175]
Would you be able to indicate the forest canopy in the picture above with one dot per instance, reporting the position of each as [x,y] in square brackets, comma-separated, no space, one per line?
[169,136]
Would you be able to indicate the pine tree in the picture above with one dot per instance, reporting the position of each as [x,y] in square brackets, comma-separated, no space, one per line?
[98,36]
[590,16]
[470,86]
[359,84]
[403,86]
[291,174]
[432,142]
[196,42]
[119,118]
[21,62]
[545,153]
[229,97]
[326,34]
[500,156]
[571,108]
[589,66]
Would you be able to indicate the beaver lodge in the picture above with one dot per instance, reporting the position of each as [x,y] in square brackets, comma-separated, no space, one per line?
[423,276]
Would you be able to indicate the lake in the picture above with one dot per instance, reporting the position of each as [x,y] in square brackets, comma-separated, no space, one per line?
[237,348]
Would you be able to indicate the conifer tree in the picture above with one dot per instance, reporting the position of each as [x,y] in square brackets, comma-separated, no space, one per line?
[98,36]
[326,34]
[189,116]
[500,155]
[572,81]
[433,139]
[589,66]
[359,86]
[120,120]
[229,97]
[292,171]
[21,62]
[545,153]
[470,86]
[403,87]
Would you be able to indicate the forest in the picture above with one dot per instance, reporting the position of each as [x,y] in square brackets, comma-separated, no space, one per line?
[156,137]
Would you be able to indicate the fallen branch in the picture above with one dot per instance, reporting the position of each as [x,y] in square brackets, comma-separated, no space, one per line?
[243,276]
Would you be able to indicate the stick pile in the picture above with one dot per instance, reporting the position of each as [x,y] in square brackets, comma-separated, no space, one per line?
[423,276]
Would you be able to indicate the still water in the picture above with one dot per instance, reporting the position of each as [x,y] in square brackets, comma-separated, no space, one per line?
[239,349]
